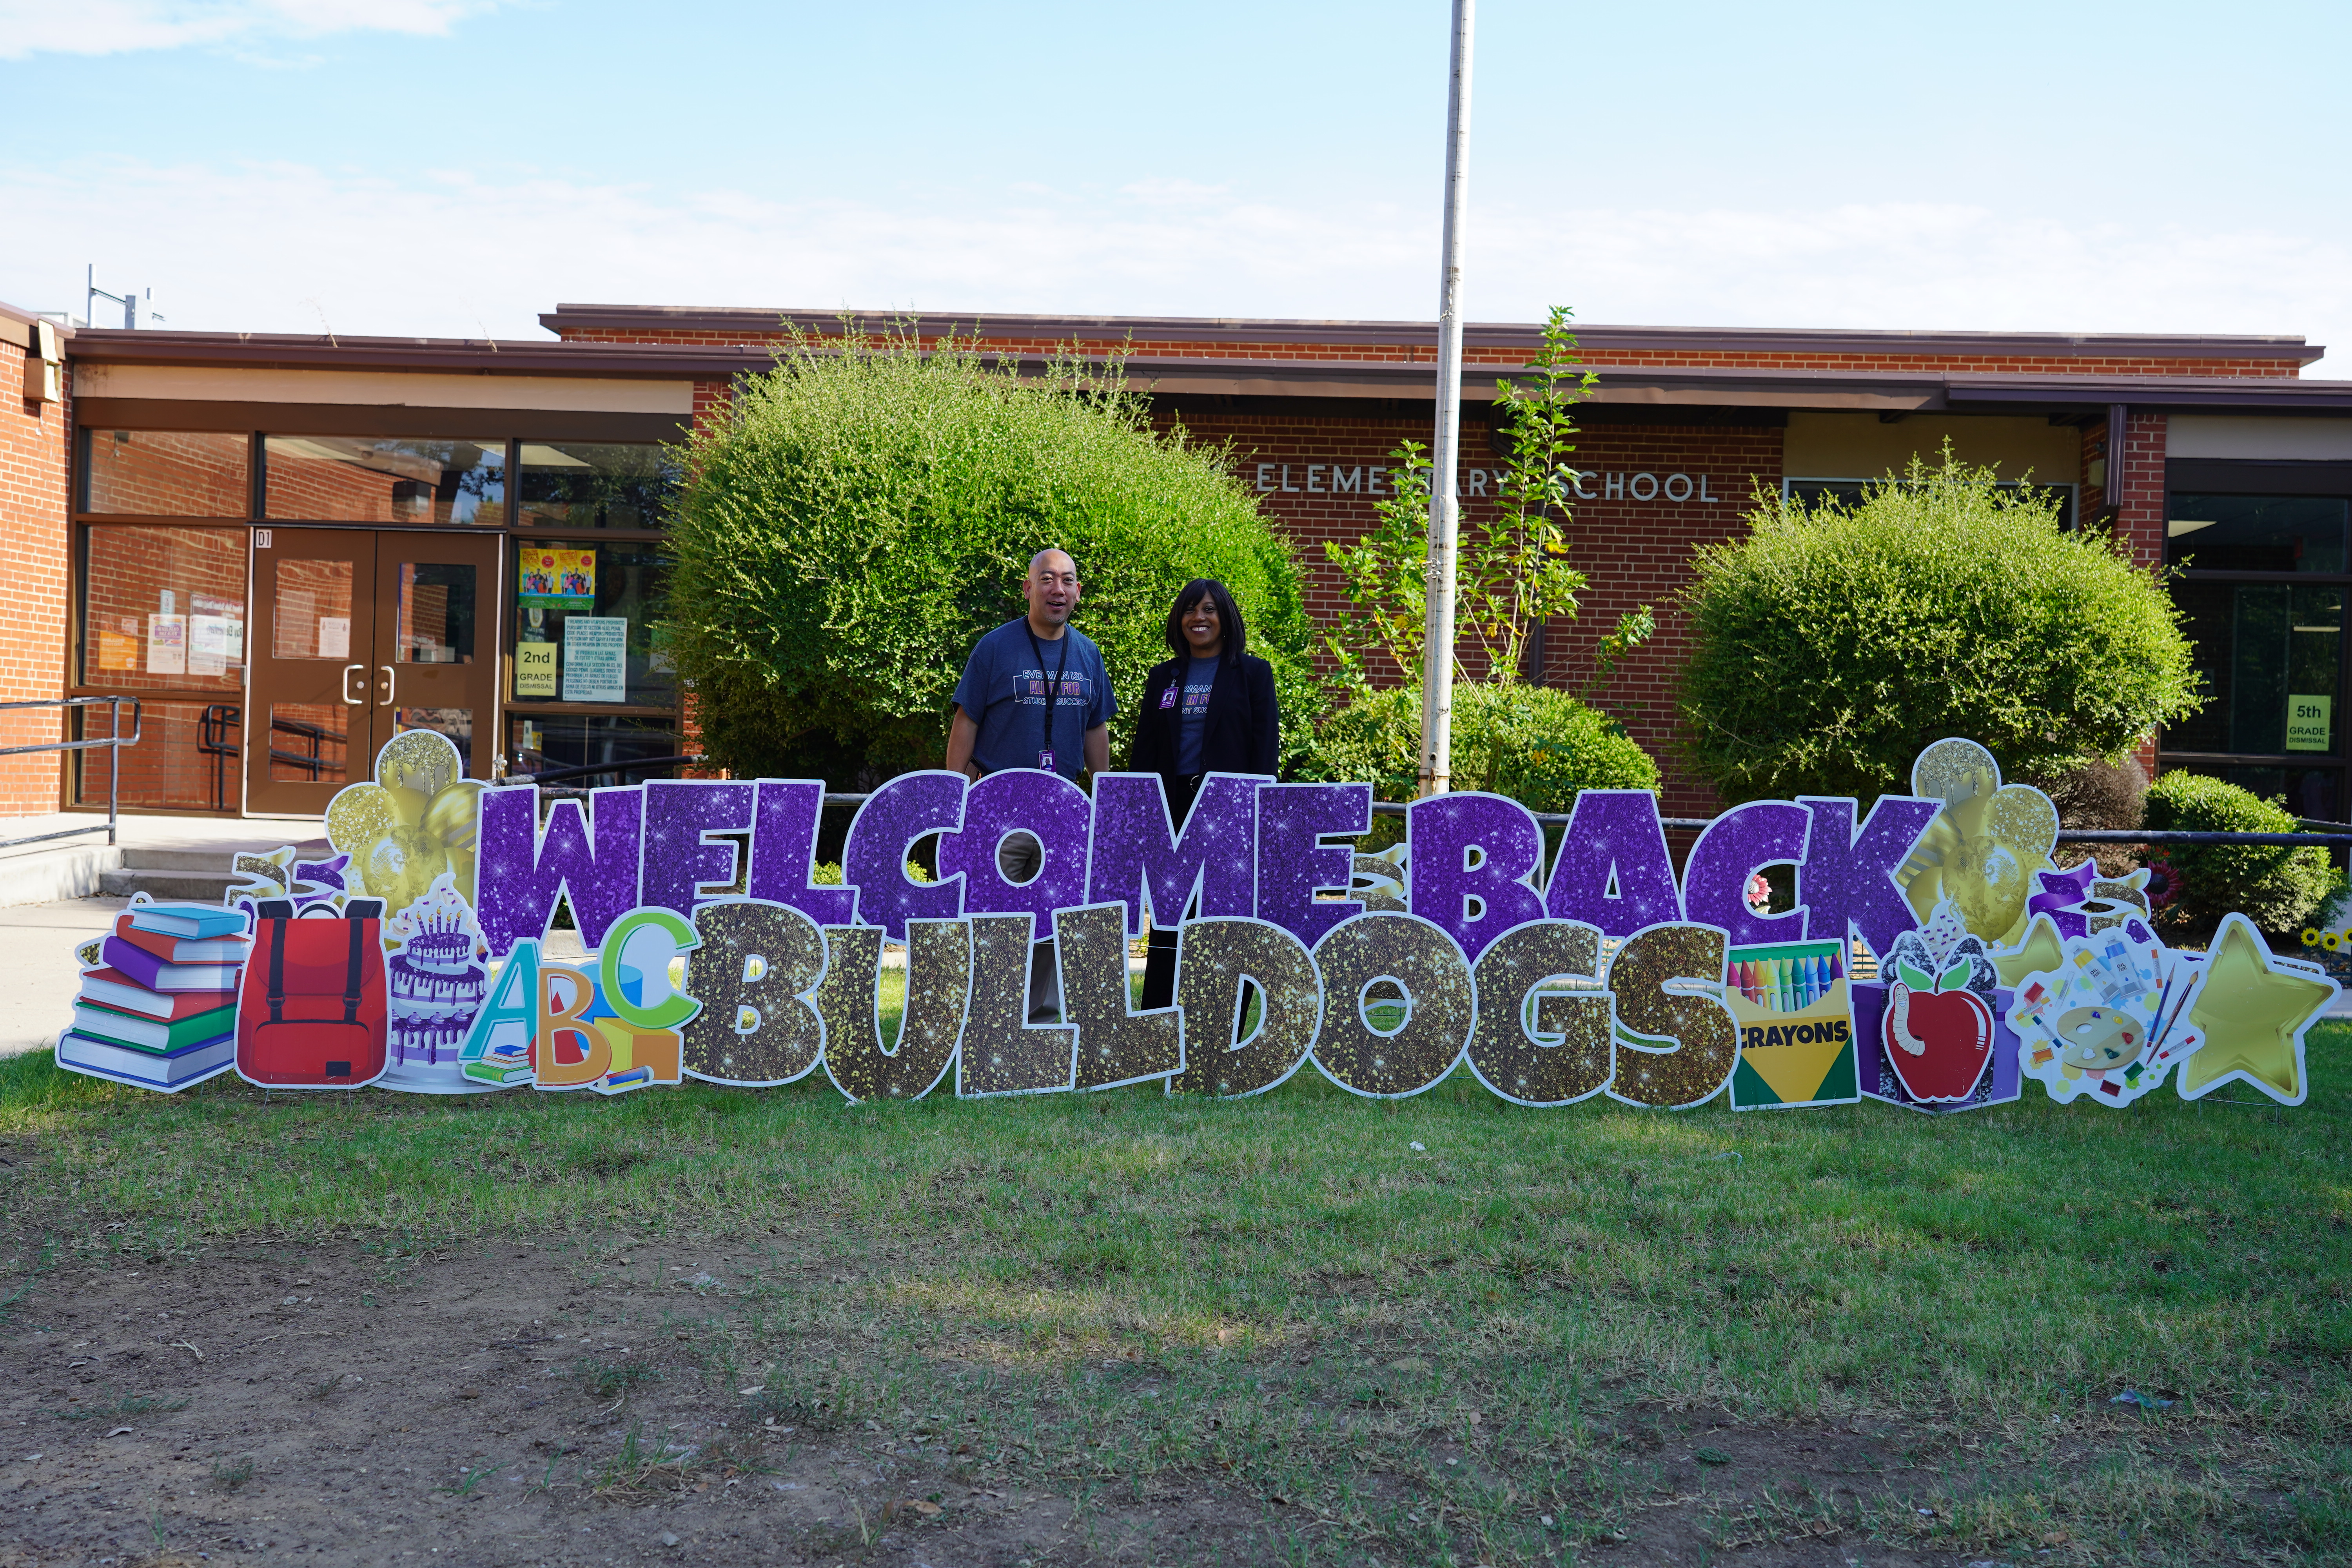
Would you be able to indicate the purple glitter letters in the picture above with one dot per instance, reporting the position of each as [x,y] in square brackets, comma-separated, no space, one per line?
[1136,843]
[783,852]
[1846,878]
[908,807]
[524,870]
[1734,846]
[1614,838]
[1020,800]
[679,860]
[1443,831]
[1293,862]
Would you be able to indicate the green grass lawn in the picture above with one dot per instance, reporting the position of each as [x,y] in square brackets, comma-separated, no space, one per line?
[1339,1284]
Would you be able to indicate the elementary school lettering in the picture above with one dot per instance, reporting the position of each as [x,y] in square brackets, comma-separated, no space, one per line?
[1590,484]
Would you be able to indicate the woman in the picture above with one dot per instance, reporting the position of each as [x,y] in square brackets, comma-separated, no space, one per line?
[1210,710]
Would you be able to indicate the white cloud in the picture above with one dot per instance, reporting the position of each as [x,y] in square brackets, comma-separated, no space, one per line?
[450,254]
[28,27]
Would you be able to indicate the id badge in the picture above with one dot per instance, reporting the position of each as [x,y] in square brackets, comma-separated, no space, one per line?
[1168,698]
[1045,761]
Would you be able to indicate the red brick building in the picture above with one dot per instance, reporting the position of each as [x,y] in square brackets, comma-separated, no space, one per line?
[289,547]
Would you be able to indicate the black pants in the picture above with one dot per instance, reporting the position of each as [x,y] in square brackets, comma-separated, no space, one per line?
[1159,959]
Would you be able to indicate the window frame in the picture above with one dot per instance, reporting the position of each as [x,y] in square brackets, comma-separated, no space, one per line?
[2275,482]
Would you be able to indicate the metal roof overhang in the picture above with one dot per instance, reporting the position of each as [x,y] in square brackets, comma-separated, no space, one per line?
[2215,395]
[1598,338]
[1177,375]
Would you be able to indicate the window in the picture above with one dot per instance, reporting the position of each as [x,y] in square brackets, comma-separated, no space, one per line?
[162,609]
[2262,589]
[2256,534]
[388,479]
[539,742]
[594,484]
[162,473]
[583,622]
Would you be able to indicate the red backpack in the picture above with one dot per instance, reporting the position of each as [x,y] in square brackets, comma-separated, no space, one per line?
[310,1010]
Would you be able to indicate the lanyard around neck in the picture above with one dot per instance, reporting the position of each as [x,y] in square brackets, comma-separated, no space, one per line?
[1053,692]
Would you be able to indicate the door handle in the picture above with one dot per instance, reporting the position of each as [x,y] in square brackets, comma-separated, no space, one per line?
[387,683]
[350,701]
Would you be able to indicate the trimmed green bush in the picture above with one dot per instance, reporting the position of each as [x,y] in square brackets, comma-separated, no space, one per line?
[863,513]
[1535,744]
[2275,886]
[1834,642]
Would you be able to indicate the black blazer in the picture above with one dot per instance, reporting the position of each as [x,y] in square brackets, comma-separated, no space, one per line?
[1242,732]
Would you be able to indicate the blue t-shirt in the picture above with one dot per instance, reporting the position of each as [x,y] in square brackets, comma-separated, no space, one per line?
[1200,680]
[1004,691]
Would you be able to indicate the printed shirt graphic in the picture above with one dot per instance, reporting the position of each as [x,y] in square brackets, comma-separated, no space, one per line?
[1004,691]
[1192,715]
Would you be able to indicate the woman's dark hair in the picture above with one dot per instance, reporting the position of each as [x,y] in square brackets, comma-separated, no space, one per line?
[1229,615]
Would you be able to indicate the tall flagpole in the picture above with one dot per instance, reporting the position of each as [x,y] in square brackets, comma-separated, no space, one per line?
[1445,500]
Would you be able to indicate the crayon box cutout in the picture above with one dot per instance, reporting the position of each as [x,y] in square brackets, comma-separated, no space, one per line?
[1796,1026]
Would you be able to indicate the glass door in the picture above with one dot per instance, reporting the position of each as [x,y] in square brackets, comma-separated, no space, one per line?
[358,636]
[436,665]
[313,627]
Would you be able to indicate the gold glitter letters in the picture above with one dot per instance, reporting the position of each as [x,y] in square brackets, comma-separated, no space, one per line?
[1568,1055]
[758,962]
[1440,1007]
[1213,959]
[939,991]
[1115,1047]
[1003,1053]
[1676,1048]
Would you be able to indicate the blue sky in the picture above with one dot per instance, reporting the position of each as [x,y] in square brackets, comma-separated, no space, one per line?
[453,168]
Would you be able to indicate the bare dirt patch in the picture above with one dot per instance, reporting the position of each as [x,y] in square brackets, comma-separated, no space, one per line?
[508,1402]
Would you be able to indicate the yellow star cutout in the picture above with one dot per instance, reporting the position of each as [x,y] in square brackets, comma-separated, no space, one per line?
[2040,953]
[2253,1018]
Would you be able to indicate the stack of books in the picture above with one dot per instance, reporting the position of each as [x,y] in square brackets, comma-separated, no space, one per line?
[159,1008]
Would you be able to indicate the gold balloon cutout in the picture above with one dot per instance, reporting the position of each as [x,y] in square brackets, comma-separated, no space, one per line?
[2253,1016]
[418,820]
[1983,848]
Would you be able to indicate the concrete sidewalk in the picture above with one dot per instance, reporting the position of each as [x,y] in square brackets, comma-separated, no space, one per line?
[77,868]
[42,976]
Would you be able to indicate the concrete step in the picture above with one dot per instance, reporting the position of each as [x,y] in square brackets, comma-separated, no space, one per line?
[205,858]
[198,872]
[190,887]
[150,846]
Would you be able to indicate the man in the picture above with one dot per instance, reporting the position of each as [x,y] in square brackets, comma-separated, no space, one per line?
[1035,695]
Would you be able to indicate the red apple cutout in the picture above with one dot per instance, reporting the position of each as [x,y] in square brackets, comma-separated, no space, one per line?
[1939,1042]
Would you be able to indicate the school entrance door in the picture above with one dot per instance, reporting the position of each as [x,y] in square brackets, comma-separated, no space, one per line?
[358,634]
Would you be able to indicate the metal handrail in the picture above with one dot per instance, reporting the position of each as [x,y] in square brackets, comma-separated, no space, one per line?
[114,743]
[636,764]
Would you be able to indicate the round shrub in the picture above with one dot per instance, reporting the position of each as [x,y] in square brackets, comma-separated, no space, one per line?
[863,512]
[1535,743]
[2273,885]
[1834,642]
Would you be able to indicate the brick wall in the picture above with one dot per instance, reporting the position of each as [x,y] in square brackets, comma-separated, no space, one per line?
[1658,493]
[33,562]
[2139,519]
[1599,356]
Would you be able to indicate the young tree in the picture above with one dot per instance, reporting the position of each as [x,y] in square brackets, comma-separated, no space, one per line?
[1511,570]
